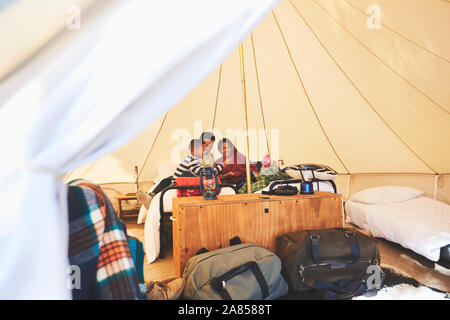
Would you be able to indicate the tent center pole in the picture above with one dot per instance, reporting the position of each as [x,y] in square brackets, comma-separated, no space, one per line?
[436,186]
[244,105]
[349,177]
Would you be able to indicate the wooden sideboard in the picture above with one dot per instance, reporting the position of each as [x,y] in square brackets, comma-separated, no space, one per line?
[210,224]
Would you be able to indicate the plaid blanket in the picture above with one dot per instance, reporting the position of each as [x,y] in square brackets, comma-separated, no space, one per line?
[263,180]
[98,245]
[137,253]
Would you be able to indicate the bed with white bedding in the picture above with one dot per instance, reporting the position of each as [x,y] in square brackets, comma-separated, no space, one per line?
[420,223]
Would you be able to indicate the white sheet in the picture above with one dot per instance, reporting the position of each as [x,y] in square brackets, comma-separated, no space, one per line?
[421,224]
[152,217]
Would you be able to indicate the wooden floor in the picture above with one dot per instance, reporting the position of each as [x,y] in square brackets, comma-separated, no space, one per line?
[392,255]
[414,265]
[160,269]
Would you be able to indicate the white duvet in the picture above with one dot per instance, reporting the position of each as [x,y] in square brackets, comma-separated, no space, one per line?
[421,224]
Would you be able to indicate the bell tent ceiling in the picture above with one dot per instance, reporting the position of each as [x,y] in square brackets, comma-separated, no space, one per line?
[360,86]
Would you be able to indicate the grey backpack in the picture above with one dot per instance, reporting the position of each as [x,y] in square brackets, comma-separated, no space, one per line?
[241,272]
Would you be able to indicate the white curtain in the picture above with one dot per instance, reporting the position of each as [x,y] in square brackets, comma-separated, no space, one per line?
[86,94]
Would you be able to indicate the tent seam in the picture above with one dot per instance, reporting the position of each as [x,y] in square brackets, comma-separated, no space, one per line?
[400,35]
[307,95]
[381,60]
[151,148]
[359,91]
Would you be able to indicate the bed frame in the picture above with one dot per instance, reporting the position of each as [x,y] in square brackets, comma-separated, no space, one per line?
[290,181]
[165,216]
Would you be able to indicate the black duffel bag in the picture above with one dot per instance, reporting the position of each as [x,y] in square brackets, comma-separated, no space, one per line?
[334,261]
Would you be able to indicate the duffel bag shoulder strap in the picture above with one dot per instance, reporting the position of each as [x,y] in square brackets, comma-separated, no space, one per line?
[219,283]
[352,240]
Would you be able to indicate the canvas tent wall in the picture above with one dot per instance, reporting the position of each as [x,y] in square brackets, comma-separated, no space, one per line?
[358,85]
[70,103]
[44,19]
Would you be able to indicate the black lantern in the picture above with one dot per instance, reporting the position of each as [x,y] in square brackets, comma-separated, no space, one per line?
[306,186]
[209,184]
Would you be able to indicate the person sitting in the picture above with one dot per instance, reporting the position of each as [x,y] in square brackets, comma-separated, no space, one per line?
[234,164]
[192,165]
[270,171]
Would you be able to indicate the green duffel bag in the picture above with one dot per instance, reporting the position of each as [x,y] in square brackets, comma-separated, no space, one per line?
[244,271]
[335,261]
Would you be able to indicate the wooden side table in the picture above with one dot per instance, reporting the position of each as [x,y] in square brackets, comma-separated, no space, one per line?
[122,197]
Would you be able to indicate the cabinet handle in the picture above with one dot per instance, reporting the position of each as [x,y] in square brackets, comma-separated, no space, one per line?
[172,218]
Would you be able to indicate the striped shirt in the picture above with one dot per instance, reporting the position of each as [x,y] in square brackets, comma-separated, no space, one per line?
[192,165]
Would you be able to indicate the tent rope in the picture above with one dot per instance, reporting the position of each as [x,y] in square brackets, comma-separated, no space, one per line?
[307,95]
[400,35]
[217,98]
[151,148]
[381,60]
[359,91]
[259,94]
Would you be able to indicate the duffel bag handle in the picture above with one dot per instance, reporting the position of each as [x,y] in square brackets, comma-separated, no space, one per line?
[219,283]
[354,245]
[352,240]
[233,241]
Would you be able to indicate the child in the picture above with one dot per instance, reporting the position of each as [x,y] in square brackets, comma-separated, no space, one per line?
[191,166]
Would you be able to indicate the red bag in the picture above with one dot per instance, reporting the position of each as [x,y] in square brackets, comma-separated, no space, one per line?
[189,181]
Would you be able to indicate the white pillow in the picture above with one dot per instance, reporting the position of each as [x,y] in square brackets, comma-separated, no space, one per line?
[386,195]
